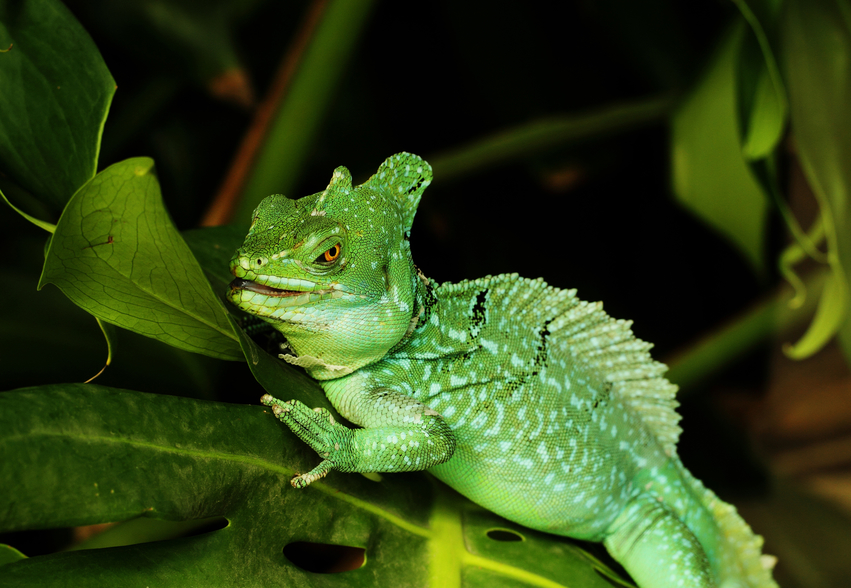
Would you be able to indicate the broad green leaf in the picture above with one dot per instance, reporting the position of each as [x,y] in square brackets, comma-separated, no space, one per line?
[710,176]
[116,254]
[80,454]
[817,57]
[47,322]
[56,95]
[308,95]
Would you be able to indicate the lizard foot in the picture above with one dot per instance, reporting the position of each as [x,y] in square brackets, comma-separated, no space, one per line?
[317,428]
[320,471]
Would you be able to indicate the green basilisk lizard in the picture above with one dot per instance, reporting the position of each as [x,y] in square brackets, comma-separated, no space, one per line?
[529,401]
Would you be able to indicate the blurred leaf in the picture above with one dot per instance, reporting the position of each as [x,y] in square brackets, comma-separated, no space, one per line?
[9,554]
[56,95]
[710,176]
[817,55]
[525,140]
[729,342]
[116,254]
[761,94]
[311,87]
[795,253]
[191,38]
[762,102]
[125,454]
[830,314]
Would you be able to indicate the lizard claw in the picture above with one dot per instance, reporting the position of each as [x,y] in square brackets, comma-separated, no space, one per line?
[278,409]
[316,427]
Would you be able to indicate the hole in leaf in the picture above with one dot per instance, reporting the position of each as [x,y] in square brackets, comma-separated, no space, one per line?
[40,542]
[323,558]
[504,535]
[205,526]
[130,532]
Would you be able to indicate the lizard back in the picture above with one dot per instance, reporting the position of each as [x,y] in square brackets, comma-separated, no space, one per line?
[546,394]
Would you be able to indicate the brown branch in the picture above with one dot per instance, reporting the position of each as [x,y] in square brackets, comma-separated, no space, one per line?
[222,208]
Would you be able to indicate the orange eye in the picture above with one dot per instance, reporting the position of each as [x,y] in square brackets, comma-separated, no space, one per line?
[332,254]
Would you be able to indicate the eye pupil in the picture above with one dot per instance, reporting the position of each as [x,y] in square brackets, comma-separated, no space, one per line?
[332,253]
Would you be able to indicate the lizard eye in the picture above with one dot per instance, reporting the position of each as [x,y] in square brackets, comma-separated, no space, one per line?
[331,255]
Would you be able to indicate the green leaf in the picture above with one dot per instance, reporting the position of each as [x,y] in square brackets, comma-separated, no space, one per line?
[279,378]
[49,227]
[109,333]
[56,95]
[80,454]
[817,56]
[761,93]
[796,253]
[9,554]
[830,315]
[710,176]
[116,254]
[308,96]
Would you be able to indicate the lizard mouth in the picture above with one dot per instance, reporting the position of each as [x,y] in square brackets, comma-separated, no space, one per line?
[240,284]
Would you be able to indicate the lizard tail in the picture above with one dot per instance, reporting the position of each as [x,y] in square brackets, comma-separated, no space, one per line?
[739,558]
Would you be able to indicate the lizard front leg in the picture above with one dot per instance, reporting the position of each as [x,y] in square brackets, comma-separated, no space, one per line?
[400,434]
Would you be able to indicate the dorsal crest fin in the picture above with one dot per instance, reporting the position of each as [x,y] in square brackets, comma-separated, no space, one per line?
[403,176]
[591,338]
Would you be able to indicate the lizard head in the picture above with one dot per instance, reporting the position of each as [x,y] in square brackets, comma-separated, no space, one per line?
[333,271]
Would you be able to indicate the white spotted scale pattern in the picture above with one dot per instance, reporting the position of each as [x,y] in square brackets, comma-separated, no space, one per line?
[554,415]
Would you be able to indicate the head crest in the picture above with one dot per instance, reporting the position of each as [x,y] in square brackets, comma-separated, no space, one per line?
[404,177]
[341,182]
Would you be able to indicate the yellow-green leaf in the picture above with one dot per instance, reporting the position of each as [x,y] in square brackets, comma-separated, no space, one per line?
[116,254]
